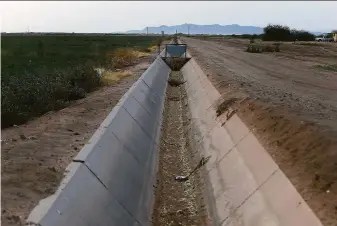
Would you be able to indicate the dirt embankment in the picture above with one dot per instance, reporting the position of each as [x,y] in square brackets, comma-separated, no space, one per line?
[34,155]
[177,203]
[291,106]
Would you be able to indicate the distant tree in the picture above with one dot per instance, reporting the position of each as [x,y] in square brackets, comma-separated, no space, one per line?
[277,33]
[302,35]
[329,35]
[283,33]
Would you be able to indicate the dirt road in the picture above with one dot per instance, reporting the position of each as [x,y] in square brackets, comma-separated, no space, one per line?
[289,100]
[278,79]
[34,155]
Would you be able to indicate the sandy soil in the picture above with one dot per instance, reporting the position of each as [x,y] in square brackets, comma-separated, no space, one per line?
[290,105]
[34,155]
[177,203]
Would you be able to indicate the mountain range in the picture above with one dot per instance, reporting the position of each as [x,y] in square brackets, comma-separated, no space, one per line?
[204,29]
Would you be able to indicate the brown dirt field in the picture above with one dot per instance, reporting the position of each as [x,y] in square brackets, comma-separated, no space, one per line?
[290,105]
[177,203]
[35,155]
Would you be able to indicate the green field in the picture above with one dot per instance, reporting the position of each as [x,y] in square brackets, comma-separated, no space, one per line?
[46,72]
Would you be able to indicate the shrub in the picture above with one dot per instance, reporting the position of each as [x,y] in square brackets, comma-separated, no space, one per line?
[268,48]
[283,33]
[249,36]
[301,35]
[253,48]
[159,42]
[122,57]
[84,77]
[276,33]
[277,47]
[27,95]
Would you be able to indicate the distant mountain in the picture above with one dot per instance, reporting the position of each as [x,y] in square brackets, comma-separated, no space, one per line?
[205,29]
[202,29]
[318,33]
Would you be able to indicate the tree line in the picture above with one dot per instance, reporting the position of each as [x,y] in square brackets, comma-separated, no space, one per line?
[279,33]
[284,33]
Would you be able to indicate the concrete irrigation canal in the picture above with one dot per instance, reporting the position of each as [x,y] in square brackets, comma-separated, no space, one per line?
[163,156]
[177,203]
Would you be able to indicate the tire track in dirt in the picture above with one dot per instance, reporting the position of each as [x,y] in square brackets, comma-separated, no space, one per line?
[272,83]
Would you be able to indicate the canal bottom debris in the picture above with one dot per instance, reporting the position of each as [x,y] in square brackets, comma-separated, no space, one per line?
[178,199]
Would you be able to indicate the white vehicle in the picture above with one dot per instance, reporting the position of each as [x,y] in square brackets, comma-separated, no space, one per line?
[324,38]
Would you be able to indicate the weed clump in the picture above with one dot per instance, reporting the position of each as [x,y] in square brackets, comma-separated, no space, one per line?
[328,67]
[112,77]
[225,105]
[256,48]
[122,57]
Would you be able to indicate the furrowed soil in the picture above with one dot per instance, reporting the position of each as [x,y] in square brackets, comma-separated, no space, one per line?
[177,203]
[289,100]
[34,155]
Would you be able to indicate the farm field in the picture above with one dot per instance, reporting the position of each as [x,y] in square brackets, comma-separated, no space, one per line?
[41,73]
[36,152]
[289,100]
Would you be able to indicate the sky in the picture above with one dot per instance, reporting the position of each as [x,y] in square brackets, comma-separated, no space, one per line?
[114,16]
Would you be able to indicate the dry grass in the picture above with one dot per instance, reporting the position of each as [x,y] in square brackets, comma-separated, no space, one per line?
[153,48]
[112,77]
[140,54]
[123,57]
[260,48]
